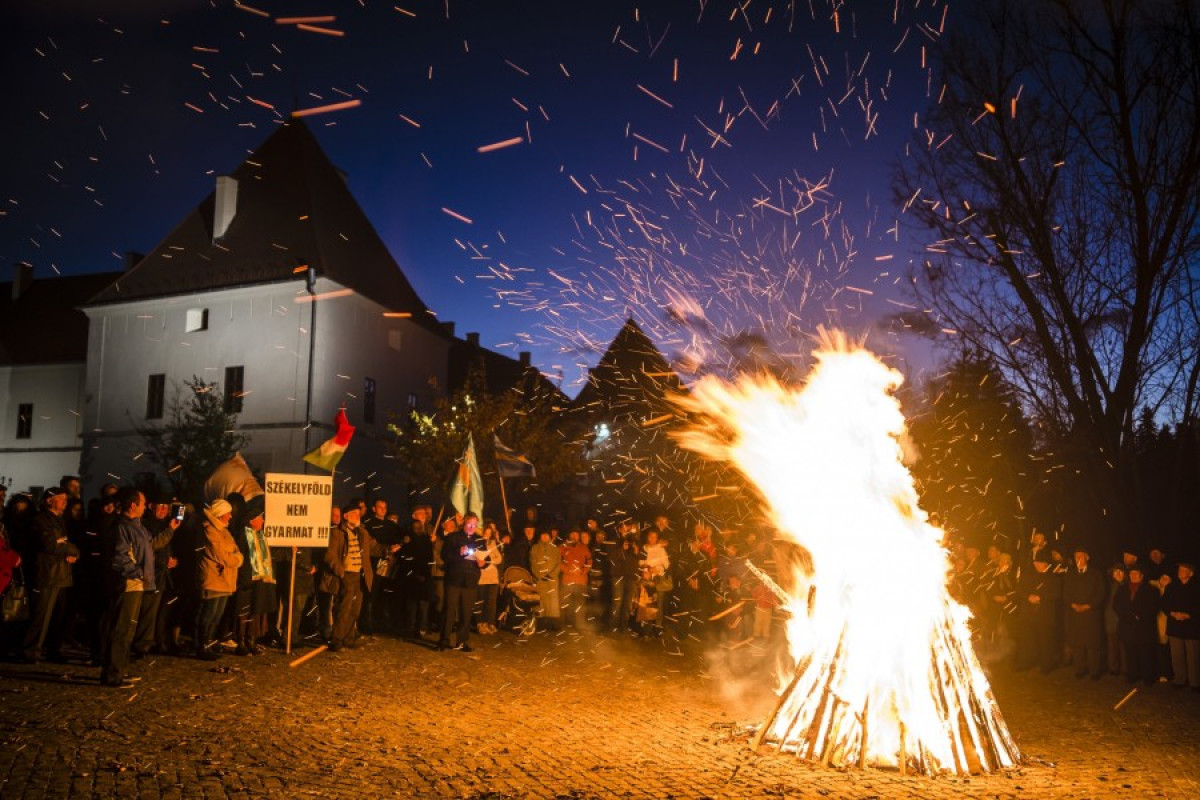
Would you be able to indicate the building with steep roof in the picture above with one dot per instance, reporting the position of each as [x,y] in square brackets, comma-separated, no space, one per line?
[278,289]
[43,353]
[625,404]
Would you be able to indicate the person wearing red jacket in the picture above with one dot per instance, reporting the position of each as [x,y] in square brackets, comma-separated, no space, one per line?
[576,564]
[10,559]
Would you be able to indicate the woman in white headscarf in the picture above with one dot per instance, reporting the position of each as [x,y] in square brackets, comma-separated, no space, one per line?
[219,562]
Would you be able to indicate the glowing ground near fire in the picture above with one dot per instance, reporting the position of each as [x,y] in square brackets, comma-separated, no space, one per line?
[885,674]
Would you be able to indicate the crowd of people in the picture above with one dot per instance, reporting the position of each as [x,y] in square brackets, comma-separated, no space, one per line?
[128,575]
[1138,617]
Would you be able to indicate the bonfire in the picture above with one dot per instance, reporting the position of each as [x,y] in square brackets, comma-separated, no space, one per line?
[884,671]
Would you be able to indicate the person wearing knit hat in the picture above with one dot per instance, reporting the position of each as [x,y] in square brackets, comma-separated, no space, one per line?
[219,562]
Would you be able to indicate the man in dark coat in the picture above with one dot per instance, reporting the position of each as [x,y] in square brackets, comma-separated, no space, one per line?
[626,576]
[381,608]
[1136,604]
[413,566]
[56,557]
[1181,603]
[1084,593]
[1038,593]
[161,525]
[464,553]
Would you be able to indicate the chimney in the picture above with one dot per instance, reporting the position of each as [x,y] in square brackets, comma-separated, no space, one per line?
[473,339]
[448,327]
[524,356]
[132,259]
[22,279]
[226,205]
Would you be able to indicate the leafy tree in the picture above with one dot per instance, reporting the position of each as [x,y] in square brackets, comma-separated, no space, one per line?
[528,418]
[197,437]
[1059,176]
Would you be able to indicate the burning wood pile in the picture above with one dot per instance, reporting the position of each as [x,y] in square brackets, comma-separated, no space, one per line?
[885,674]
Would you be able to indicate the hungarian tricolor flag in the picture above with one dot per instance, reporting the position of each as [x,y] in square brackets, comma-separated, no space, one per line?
[330,453]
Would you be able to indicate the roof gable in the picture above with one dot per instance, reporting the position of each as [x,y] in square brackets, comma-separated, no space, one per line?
[293,210]
[632,373]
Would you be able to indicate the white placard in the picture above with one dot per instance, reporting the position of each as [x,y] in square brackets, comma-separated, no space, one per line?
[298,509]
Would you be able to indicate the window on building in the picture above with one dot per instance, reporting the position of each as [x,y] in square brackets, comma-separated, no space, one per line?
[412,402]
[369,400]
[156,390]
[233,389]
[394,339]
[25,421]
[197,320]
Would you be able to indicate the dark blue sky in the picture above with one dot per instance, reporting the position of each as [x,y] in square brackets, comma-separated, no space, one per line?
[712,157]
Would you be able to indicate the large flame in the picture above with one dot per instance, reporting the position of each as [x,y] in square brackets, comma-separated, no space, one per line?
[885,673]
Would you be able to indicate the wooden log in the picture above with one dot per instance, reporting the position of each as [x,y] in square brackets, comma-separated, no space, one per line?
[862,748]
[315,652]
[801,666]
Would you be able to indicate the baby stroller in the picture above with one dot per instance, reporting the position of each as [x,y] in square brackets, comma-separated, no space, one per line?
[519,601]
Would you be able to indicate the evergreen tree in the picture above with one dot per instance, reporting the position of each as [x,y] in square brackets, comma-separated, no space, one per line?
[198,436]
[974,449]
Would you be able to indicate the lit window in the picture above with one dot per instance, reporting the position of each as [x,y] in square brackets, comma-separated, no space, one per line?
[197,320]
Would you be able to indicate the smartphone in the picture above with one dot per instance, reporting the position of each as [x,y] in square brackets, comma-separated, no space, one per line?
[177,511]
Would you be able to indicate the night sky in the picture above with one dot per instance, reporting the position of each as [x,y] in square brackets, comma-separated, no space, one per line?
[665,160]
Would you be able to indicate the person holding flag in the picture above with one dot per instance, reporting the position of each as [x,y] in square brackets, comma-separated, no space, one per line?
[465,554]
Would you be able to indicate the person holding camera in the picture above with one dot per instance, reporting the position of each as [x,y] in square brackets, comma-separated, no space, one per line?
[133,563]
[465,553]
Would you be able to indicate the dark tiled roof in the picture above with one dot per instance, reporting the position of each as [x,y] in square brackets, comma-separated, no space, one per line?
[632,377]
[45,325]
[293,209]
[502,373]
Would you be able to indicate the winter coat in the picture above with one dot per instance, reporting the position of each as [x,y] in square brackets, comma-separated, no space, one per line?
[545,562]
[1084,628]
[576,562]
[219,559]
[339,549]
[133,559]
[8,559]
[1182,597]
[54,548]
[1137,613]
[463,570]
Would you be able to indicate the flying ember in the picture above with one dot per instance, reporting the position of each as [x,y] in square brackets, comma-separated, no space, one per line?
[885,674]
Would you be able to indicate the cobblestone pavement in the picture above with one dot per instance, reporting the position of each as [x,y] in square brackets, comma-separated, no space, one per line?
[556,716]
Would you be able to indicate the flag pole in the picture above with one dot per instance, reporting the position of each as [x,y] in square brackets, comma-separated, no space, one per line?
[504,500]
[287,648]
